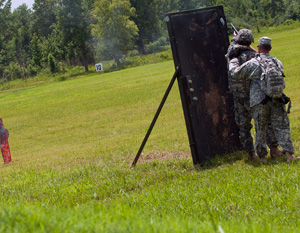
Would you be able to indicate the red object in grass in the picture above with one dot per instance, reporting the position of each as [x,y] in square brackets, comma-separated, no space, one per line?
[4,143]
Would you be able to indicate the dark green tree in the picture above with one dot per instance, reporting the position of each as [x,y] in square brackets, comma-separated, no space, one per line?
[147,21]
[5,34]
[44,16]
[5,7]
[54,44]
[276,8]
[292,10]
[36,52]
[21,34]
[52,63]
[75,26]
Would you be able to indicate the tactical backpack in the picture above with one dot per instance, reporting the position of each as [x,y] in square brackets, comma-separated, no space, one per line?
[272,78]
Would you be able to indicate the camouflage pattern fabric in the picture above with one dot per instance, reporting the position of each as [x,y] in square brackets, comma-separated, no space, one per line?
[265,41]
[239,48]
[272,112]
[252,70]
[244,37]
[270,136]
[276,114]
[240,88]
[272,78]
[243,120]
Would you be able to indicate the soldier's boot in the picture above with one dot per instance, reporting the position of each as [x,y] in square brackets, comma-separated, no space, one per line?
[253,156]
[290,157]
[275,152]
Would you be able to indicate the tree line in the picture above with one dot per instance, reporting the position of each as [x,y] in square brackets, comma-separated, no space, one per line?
[58,33]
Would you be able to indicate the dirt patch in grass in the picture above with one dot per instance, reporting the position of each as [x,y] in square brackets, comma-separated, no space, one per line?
[163,156]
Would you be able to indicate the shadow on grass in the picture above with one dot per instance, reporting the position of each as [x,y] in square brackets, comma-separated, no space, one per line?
[220,160]
[239,156]
[235,157]
[153,159]
[172,159]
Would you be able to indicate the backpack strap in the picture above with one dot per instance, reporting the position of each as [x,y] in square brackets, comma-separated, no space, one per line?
[289,107]
[256,58]
[274,59]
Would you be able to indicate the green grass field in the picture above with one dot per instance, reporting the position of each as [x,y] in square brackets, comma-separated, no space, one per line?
[73,142]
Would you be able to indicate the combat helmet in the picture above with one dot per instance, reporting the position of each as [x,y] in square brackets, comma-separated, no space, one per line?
[244,37]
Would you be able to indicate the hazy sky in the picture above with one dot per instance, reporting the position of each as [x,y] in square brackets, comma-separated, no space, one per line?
[16,3]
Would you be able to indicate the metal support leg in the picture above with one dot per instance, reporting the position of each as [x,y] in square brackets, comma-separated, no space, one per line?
[155,117]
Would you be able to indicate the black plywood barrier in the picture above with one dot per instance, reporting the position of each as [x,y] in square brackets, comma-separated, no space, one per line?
[199,42]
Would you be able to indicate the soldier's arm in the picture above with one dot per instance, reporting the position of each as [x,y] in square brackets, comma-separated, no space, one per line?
[279,63]
[235,69]
[233,66]
[245,70]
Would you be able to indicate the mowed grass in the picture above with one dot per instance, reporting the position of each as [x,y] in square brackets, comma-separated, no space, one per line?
[105,116]
[73,142]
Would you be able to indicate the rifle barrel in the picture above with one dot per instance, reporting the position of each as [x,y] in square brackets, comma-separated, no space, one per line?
[234,29]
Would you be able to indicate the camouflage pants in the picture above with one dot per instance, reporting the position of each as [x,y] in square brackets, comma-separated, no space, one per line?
[243,119]
[277,116]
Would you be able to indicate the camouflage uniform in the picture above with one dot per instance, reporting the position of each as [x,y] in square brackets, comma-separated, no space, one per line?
[263,111]
[240,88]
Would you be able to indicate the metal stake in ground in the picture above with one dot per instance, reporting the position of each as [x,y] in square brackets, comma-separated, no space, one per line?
[155,117]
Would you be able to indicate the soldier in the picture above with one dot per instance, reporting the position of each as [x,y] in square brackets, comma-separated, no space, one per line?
[4,143]
[265,110]
[240,88]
